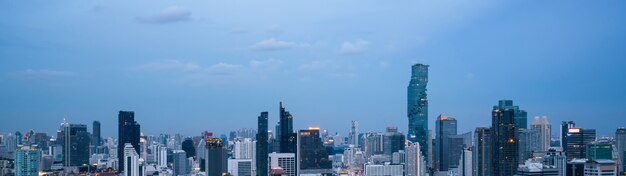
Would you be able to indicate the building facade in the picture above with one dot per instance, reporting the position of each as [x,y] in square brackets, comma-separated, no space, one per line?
[417,107]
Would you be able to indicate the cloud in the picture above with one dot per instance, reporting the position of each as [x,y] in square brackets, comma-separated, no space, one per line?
[354,47]
[167,65]
[194,74]
[32,74]
[168,15]
[268,64]
[273,44]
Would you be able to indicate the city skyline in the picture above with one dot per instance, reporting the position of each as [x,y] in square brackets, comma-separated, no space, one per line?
[562,62]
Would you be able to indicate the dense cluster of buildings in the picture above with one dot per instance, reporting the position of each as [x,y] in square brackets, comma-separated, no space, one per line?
[510,146]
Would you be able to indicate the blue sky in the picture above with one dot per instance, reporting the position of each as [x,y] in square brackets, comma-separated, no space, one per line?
[190,66]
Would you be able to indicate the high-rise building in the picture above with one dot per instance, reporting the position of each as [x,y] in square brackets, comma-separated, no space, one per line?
[482,152]
[240,167]
[373,144]
[456,145]
[180,163]
[577,140]
[565,126]
[601,149]
[504,144]
[134,164]
[465,162]
[414,160]
[417,107]
[287,136]
[216,157]
[523,147]
[311,151]
[520,116]
[188,147]
[27,160]
[128,132]
[540,134]
[620,146]
[445,127]
[262,147]
[75,144]
[353,138]
[284,163]
[556,159]
[393,141]
[244,148]
[96,140]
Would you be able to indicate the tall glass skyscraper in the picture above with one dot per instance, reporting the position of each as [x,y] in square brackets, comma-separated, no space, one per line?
[287,136]
[96,139]
[620,146]
[504,145]
[262,148]
[520,116]
[445,127]
[417,107]
[128,132]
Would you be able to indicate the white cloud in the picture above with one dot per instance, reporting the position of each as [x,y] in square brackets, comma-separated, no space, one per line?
[168,15]
[273,44]
[270,63]
[354,47]
[32,74]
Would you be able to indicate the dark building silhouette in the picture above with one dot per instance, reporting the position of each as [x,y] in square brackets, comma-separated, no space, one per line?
[262,145]
[417,108]
[504,144]
[577,140]
[128,132]
[287,136]
[311,151]
[75,144]
[216,157]
[565,126]
[482,152]
[189,148]
[96,140]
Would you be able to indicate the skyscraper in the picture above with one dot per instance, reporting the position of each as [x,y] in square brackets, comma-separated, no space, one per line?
[577,140]
[620,146]
[504,144]
[311,151]
[216,157]
[27,161]
[414,160]
[601,149]
[393,141]
[565,126]
[445,127]
[482,152]
[128,132]
[354,134]
[520,116]
[540,135]
[180,163]
[283,163]
[96,140]
[134,164]
[262,145]
[287,136]
[417,107]
[75,144]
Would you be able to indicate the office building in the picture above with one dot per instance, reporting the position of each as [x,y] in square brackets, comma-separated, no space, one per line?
[240,167]
[134,164]
[577,140]
[216,157]
[76,141]
[27,160]
[285,162]
[244,148]
[445,127]
[384,170]
[465,162]
[180,163]
[540,134]
[96,139]
[575,167]
[262,146]
[556,159]
[353,137]
[415,164]
[456,145]
[600,167]
[287,136]
[504,144]
[535,167]
[601,149]
[311,151]
[393,141]
[482,152]
[520,116]
[373,144]
[620,146]
[128,132]
[417,107]
[565,126]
